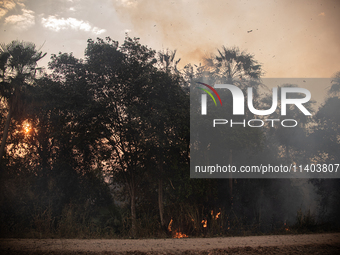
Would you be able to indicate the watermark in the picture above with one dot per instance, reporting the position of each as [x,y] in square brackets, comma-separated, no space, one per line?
[238,102]
[254,130]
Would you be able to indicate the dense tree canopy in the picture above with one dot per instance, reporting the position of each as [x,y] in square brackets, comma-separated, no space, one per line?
[100,146]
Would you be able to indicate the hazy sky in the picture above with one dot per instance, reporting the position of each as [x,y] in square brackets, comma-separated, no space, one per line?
[289,38]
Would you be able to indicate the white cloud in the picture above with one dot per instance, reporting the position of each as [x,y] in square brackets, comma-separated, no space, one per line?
[8,4]
[23,21]
[57,24]
[5,7]
[98,31]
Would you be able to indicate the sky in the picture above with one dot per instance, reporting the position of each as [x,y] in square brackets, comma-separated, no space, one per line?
[290,39]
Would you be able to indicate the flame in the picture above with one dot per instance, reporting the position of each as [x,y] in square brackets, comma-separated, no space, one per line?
[205,223]
[179,234]
[216,216]
[27,127]
[169,226]
[176,234]
[286,227]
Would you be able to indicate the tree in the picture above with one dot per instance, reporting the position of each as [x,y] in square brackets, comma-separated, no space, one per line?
[326,132]
[119,77]
[18,66]
[167,124]
[231,66]
[292,140]
[324,148]
[166,61]
[142,114]
[59,167]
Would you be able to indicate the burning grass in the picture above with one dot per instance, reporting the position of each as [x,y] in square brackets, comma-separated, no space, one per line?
[176,233]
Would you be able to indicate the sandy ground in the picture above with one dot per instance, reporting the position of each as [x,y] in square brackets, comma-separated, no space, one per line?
[279,244]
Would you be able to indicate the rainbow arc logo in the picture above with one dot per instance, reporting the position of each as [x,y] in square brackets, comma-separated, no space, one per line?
[238,99]
[204,97]
[208,92]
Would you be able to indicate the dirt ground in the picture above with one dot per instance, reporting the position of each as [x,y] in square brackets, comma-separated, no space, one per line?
[276,244]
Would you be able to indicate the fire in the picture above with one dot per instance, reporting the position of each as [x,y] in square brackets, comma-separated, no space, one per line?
[169,226]
[179,235]
[216,216]
[175,234]
[286,227]
[205,223]
[27,127]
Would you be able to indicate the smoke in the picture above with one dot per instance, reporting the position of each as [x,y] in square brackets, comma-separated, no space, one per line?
[295,39]
[289,39]
[182,25]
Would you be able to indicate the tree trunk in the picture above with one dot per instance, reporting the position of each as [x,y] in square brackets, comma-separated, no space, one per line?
[160,192]
[5,134]
[160,201]
[133,210]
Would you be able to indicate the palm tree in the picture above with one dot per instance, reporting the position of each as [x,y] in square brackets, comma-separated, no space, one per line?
[233,66]
[167,62]
[18,67]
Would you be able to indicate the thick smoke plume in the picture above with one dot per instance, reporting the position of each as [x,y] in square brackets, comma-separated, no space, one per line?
[290,40]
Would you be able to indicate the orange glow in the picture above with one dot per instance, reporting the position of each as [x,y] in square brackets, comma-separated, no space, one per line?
[169,226]
[179,235]
[27,127]
[286,227]
[205,223]
[175,234]
[216,216]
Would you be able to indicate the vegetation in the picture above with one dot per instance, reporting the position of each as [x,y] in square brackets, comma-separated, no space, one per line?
[99,147]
